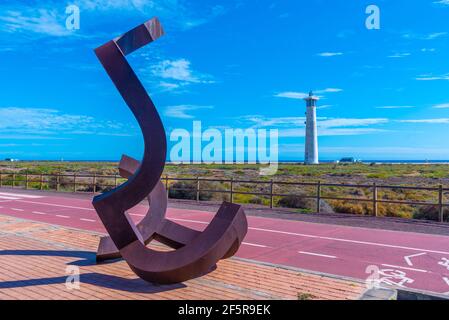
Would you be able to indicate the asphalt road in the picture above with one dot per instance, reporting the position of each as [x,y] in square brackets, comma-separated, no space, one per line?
[403,259]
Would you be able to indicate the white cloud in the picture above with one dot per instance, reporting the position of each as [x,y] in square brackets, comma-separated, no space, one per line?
[41,21]
[441,106]
[432,78]
[384,150]
[330,54]
[292,95]
[348,122]
[294,126]
[326,106]
[442,2]
[328,132]
[175,74]
[116,4]
[261,121]
[428,121]
[329,90]
[48,17]
[400,55]
[180,111]
[169,86]
[179,70]
[302,95]
[46,122]
[436,35]
[430,36]
[396,107]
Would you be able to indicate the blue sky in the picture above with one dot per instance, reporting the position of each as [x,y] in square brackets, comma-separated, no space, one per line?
[230,64]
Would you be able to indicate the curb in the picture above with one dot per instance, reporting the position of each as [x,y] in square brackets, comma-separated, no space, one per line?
[380,294]
[399,294]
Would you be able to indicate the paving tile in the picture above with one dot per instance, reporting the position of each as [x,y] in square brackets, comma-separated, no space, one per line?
[34,257]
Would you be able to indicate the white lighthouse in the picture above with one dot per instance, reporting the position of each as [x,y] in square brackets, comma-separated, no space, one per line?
[311,152]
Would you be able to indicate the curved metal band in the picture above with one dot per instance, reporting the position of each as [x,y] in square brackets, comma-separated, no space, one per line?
[223,235]
[153,225]
[126,196]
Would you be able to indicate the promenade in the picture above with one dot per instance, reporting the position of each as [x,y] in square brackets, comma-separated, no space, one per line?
[38,259]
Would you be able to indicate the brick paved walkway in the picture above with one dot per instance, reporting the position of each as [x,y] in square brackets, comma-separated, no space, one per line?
[34,257]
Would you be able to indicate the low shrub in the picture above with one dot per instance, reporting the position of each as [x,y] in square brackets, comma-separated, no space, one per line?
[293,201]
[186,190]
[347,207]
[256,200]
[431,213]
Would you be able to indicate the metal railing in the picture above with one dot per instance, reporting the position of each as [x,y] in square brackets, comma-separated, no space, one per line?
[94,184]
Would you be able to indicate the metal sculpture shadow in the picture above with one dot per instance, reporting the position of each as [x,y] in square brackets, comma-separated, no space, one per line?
[196,253]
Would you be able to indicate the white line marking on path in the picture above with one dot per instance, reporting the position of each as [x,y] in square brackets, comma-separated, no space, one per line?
[62,216]
[137,215]
[317,254]
[447,282]
[55,205]
[194,221]
[8,198]
[350,241]
[88,220]
[405,268]
[254,245]
[408,258]
[332,239]
[37,212]
[15,209]
[276,231]
[20,195]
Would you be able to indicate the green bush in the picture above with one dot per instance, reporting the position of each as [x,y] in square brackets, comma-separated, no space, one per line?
[346,207]
[291,201]
[431,213]
[186,190]
[256,200]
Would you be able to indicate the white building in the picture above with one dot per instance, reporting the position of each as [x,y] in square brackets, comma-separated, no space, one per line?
[311,145]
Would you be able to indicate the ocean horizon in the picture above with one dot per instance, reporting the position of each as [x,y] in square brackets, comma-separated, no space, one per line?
[280,161]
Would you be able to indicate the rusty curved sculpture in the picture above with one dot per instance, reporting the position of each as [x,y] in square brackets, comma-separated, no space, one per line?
[196,252]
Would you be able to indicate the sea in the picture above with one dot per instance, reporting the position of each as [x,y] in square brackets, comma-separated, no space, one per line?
[281,161]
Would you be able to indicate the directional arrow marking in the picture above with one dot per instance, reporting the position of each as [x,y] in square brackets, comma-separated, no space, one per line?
[408,258]
[447,282]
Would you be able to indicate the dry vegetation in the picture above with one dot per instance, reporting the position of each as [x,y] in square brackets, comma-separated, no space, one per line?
[426,175]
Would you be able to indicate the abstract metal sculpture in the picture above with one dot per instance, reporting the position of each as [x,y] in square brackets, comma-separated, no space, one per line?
[196,253]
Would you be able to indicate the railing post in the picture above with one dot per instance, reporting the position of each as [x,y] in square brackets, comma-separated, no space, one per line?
[318,197]
[74,182]
[1,180]
[197,189]
[26,180]
[232,190]
[440,203]
[94,183]
[41,185]
[375,207]
[57,181]
[271,194]
[166,185]
[13,180]
[115,180]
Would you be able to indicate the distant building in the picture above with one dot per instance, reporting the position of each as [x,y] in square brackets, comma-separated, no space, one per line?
[311,145]
[349,160]
[11,160]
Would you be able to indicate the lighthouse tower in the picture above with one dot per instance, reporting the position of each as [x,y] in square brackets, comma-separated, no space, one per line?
[311,152]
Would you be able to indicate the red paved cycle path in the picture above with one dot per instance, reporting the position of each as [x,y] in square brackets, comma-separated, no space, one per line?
[413,260]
